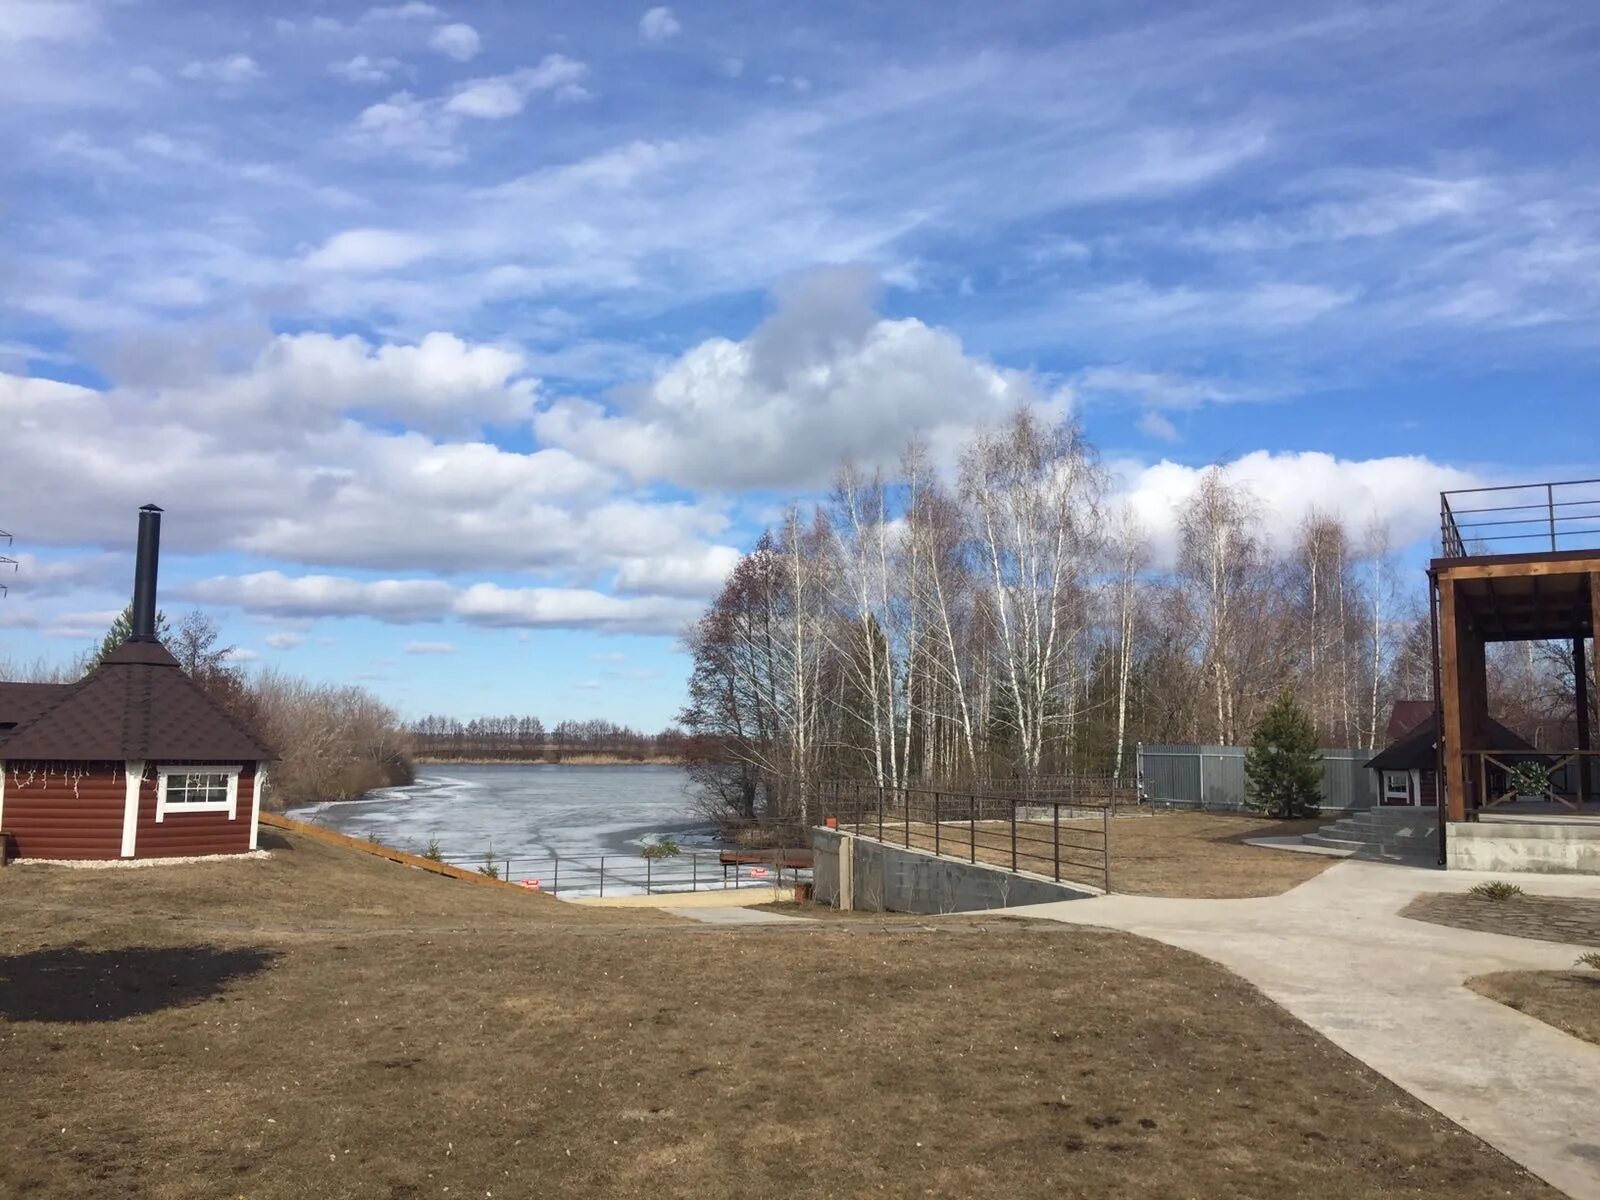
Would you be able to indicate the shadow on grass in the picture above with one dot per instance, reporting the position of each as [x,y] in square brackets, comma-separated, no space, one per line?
[272,839]
[76,984]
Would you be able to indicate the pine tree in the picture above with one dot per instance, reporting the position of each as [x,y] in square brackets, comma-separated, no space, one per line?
[1283,771]
[122,629]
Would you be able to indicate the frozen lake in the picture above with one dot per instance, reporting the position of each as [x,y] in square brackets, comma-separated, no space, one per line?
[529,812]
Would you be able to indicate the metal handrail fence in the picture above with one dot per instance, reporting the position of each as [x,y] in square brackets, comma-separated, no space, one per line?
[631,874]
[1520,518]
[1058,838]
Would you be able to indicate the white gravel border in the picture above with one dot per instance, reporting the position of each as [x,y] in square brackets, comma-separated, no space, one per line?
[102,864]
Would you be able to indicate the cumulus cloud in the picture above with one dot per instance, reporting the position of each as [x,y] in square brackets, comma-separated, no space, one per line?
[697,573]
[458,41]
[499,96]
[232,70]
[368,250]
[397,601]
[364,69]
[284,639]
[1399,492]
[425,128]
[824,378]
[419,601]
[658,24]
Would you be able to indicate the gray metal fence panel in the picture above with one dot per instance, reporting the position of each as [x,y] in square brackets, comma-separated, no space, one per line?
[1212,777]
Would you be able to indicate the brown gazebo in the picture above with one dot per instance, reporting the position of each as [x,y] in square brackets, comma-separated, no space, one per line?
[1519,564]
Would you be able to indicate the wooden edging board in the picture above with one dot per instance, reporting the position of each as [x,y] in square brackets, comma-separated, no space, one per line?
[317,833]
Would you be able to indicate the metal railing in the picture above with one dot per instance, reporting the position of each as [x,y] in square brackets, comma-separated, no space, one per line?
[1062,839]
[632,874]
[1520,518]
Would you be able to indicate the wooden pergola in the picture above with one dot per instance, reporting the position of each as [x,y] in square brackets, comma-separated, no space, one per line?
[1491,586]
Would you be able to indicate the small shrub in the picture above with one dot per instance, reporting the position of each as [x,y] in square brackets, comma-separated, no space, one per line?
[432,851]
[665,848]
[1496,890]
[490,868]
[1590,960]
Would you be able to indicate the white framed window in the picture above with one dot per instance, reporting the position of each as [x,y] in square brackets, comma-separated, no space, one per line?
[197,789]
[1397,787]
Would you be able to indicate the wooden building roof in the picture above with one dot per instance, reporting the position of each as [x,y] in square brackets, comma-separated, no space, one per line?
[137,704]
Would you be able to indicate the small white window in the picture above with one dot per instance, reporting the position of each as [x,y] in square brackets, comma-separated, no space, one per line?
[1397,786]
[197,789]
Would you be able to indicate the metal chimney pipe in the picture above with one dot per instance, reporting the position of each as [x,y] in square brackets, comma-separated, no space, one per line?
[144,575]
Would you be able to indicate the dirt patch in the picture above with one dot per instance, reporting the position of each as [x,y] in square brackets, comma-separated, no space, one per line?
[454,1037]
[1569,1000]
[1567,919]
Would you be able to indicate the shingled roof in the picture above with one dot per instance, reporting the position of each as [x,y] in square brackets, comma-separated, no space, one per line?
[21,702]
[137,704]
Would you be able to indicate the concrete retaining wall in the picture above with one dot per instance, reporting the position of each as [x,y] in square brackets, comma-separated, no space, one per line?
[859,873]
[1530,846]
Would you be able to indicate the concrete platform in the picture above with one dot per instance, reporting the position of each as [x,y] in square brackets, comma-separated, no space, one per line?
[718,898]
[1527,843]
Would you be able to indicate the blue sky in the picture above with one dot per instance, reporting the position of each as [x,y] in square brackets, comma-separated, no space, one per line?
[467,344]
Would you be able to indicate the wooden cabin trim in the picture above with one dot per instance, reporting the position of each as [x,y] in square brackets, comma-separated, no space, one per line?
[130,807]
[2,799]
[256,787]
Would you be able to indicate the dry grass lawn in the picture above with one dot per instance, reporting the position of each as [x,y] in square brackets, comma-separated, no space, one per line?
[1569,1000]
[329,1025]
[1197,855]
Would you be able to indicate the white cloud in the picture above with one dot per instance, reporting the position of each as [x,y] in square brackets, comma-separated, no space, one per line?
[418,601]
[412,10]
[46,21]
[501,96]
[434,648]
[234,69]
[82,625]
[364,69]
[824,378]
[571,608]
[458,41]
[366,250]
[426,129]
[658,24]
[239,655]
[1401,492]
[1165,390]
[697,573]
[408,125]
[397,601]
[1153,424]
[284,639]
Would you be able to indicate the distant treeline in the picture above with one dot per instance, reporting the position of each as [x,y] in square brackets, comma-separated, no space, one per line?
[527,739]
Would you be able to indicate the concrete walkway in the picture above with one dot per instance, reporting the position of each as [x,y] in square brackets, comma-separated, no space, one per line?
[1336,954]
[737,915]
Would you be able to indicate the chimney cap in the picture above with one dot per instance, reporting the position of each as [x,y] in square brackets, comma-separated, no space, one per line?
[151,508]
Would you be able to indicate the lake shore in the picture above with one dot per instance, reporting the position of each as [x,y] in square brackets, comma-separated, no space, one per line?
[570,760]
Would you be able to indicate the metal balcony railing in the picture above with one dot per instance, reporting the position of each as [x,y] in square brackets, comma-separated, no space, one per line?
[1520,518]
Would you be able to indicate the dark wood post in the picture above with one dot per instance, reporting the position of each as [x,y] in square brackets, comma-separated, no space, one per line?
[1580,678]
[1055,842]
